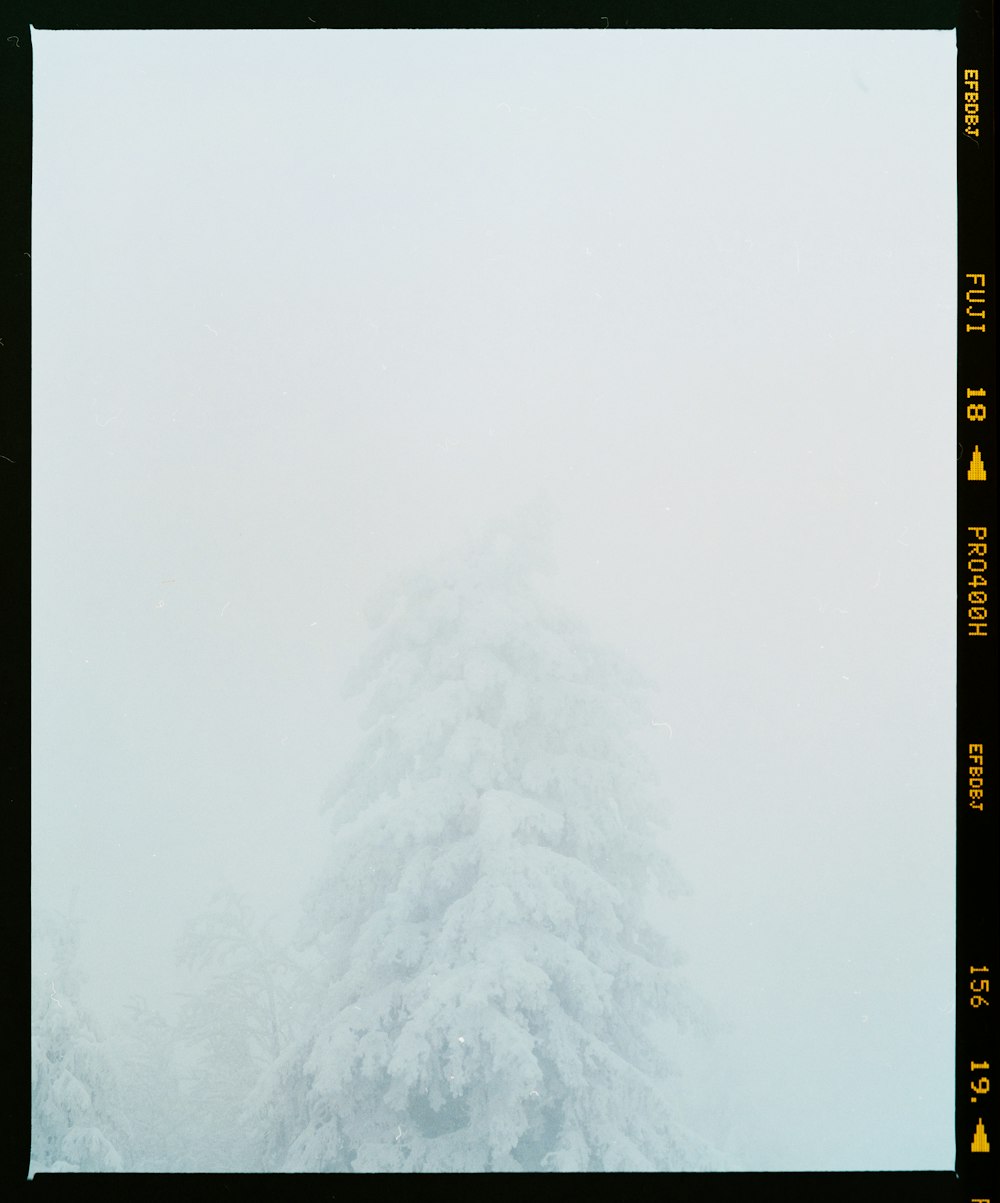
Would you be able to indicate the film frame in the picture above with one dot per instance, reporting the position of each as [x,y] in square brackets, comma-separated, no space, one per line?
[977,915]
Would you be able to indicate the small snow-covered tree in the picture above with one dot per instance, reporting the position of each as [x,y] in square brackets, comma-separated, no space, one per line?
[491,984]
[232,1025]
[164,1131]
[77,1122]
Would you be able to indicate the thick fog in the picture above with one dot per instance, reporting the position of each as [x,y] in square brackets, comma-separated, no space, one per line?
[312,309]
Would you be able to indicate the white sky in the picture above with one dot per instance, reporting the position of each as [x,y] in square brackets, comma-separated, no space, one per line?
[311,306]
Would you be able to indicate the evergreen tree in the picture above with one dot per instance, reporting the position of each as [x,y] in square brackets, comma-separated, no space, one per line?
[233,1025]
[491,986]
[165,1135]
[77,1122]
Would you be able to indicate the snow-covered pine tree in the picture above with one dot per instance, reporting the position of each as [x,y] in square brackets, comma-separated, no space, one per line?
[233,1025]
[491,982]
[165,1134]
[77,1122]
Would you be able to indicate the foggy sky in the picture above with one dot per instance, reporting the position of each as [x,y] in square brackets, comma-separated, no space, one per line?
[310,307]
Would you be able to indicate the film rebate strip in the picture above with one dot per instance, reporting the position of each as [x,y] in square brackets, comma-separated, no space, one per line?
[977,1056]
